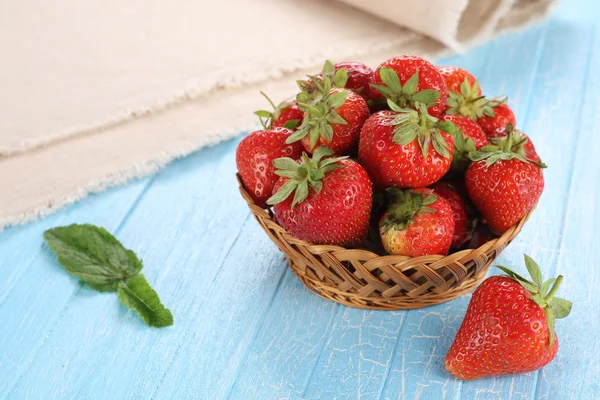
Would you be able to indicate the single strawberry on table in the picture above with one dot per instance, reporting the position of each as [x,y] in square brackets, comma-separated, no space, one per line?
[323,200]
[503,184]
[459,211]
[333,117]
[405,148]
[287,114]
[417,223]
[408,80]
[509,326]
[522,144]
[467,137]
[254,158]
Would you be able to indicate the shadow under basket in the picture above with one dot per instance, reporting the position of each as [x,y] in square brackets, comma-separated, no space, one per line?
[363,279]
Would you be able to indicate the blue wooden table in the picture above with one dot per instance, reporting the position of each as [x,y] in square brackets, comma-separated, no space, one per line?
[245,328]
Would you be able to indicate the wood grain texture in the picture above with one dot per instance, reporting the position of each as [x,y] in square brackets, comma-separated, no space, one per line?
[245,328]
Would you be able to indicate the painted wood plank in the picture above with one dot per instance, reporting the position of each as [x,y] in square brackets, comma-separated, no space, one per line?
[356,355]
[284,354]
[38,293]
[168,222]
[576,371]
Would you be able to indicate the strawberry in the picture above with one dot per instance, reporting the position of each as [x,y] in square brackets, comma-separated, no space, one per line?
[254,156]
[503,184]
[405,148]
[454,78]
[359,77]
[467,137]
[417,223]
[332,117]
[465,98]
[495,122]
[332,200]
[459,211]
[287,114]
[469,128]
[522,143]
[508,327]
[351,75]
[408,80]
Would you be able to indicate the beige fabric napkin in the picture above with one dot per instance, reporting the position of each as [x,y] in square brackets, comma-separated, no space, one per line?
[97,93]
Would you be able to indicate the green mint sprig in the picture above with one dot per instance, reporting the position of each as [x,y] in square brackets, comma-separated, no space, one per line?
[97,258]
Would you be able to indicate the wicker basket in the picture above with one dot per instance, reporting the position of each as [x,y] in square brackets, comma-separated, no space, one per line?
[363,279]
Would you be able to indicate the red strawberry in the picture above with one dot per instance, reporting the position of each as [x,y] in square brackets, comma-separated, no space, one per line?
[459,211]
[417,223]
[503,185]
[287,114]
[464,96]
[351,75]
[509,326]
[407,80]
[254,156]
[359,77]
[522,143]
[468,137]
[470,129]
[496,122]
[332,117]
[405,148]
[455,77]
[332,200]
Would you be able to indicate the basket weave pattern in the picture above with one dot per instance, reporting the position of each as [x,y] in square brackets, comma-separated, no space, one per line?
[363,279]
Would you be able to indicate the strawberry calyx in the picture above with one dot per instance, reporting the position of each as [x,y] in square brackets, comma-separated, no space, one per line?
[405,95]
[542,293]
[405,207]
[418,124]
[506,149]
[304,175]
[518,140]
[470,103]
[320,113]
[315,84]
[463,146]
[267,117]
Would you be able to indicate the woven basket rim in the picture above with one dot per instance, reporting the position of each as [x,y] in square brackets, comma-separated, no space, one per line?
[361,278]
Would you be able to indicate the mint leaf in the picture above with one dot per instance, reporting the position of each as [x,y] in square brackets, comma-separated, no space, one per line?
[100,260]
[138,295]
[94,255]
